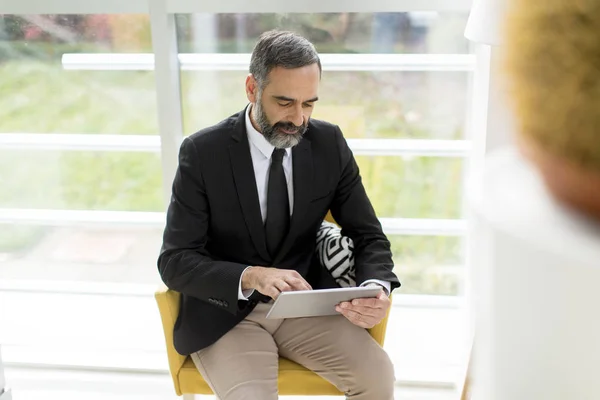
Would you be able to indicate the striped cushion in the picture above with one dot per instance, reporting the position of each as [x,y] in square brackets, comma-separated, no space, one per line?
[336,254]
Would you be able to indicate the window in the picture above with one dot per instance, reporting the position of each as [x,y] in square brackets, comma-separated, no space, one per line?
[40,96]
[91,117]
[429,264]
[79,149]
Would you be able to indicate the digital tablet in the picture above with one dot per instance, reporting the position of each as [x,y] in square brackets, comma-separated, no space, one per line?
[314,303]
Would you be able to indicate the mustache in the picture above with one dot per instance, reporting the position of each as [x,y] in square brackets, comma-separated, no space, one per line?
[288,126]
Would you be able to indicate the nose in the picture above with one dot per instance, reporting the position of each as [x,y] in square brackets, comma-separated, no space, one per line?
[297,116]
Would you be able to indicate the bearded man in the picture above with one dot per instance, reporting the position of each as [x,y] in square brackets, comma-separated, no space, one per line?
[248,198]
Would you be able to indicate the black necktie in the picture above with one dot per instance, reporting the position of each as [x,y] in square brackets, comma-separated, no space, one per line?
[278,204]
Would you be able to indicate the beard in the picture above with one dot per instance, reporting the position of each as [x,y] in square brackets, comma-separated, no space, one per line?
[274,133]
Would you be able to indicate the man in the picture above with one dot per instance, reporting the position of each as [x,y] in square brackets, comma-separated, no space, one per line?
[248,198]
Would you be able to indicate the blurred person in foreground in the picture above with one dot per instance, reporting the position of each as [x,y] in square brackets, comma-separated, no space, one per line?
[552,62]
[248,198]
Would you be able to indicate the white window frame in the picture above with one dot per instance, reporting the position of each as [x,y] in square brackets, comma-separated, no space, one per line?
[151,143]
[241,61]
[229,6]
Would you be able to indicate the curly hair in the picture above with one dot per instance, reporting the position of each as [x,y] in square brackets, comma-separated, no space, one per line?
[552,62]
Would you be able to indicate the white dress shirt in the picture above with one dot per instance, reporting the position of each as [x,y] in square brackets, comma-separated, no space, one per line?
[261,151]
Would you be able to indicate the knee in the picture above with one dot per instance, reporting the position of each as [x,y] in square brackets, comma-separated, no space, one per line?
[374,378]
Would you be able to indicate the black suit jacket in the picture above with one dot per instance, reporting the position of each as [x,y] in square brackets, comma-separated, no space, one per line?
[214,228]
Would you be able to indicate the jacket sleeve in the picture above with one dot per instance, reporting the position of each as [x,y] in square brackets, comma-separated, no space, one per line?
[184,263]
[352,210]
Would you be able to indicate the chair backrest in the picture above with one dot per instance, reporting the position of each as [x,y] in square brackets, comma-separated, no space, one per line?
[329,218]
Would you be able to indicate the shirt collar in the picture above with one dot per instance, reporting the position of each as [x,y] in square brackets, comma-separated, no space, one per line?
[257,139]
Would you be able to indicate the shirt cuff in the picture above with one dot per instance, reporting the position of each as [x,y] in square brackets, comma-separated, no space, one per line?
[244,294]
[384,284]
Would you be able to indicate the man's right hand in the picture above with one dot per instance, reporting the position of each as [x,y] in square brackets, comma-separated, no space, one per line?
[272,281]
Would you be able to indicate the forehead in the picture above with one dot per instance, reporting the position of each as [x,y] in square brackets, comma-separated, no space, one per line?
[298,83]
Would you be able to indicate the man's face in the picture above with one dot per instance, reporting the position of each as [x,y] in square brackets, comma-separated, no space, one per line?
[282,109]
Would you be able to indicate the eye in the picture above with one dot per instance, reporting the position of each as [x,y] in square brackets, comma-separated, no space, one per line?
[284,104]
[308,105]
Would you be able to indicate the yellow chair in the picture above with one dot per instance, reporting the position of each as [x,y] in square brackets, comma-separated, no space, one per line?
[293,379]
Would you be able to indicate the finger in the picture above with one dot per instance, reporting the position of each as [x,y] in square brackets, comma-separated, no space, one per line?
[353,316]
[357,319]
[271,291]
[367,311]
[345,304]
[371,302]
[294,276]
[298,284]
[371,316]
[282,286]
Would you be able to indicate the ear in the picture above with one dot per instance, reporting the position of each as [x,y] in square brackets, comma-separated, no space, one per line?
[251,88]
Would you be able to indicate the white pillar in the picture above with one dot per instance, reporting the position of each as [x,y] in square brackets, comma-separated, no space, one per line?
[538,268]
[166,72]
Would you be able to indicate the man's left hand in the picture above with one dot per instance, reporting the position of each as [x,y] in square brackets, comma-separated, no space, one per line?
[365,313]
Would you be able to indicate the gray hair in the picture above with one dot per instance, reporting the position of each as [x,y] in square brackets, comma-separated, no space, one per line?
[281,49]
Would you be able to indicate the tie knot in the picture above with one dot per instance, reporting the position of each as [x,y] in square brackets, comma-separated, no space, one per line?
[277,155]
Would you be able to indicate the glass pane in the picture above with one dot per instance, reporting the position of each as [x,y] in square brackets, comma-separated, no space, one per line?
[365,104]
[407,32]
[114,181]
[400,105]
[403,105]
[429,264]
[37,93]
[418,187]
[119,255]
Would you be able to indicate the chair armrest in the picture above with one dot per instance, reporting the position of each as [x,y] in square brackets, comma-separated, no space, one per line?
[378,331]
[168,306]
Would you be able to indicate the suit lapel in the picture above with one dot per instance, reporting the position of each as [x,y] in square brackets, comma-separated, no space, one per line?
[245,182]
[303,176]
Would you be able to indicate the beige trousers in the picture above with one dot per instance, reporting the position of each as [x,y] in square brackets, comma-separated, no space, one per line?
[243,364]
